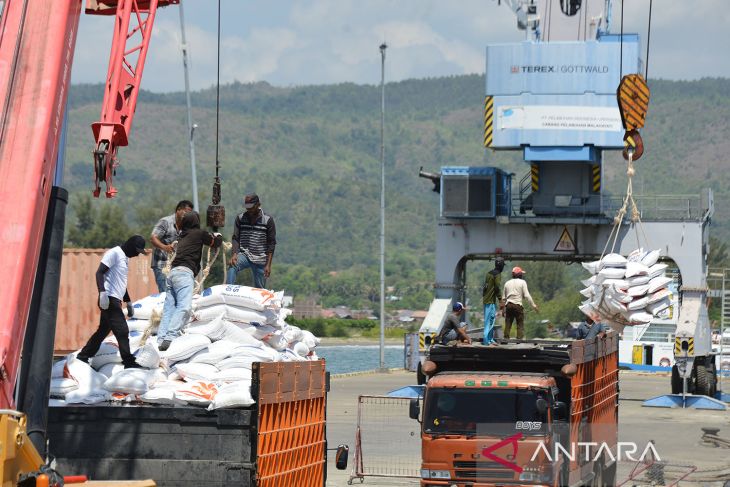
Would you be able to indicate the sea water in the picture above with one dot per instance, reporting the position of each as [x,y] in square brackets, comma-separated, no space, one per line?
[356,358]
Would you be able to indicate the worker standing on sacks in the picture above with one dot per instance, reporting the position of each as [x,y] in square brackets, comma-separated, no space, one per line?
[111,282]
[515,291]
[181,280]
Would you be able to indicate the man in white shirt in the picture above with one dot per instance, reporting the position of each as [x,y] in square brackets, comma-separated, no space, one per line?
[111,282]
[515,291]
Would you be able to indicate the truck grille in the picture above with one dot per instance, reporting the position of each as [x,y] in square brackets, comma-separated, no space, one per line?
[482,470]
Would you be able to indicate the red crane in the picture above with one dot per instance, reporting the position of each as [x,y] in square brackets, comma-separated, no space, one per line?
[37,40]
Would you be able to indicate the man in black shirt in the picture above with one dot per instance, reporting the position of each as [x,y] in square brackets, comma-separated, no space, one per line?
[181,280]
[452,328]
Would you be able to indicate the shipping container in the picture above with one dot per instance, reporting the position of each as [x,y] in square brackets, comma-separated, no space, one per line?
[278,441]
[78,313]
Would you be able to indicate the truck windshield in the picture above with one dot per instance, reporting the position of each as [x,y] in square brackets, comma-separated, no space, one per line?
[484,412]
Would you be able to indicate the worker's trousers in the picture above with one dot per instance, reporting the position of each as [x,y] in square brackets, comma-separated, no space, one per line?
[112,319]
[514,312]
[490,312]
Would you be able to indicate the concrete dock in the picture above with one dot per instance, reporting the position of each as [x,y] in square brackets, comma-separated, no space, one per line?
[395,445]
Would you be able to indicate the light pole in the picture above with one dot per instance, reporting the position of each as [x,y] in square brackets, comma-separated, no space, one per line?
[383,47]
[191,125]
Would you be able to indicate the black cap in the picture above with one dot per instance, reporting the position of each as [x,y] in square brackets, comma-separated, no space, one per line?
[134,246]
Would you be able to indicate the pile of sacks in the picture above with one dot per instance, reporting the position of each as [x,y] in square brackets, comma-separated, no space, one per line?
[209,365]
[624,291]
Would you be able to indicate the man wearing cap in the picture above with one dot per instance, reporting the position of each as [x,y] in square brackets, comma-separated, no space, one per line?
[254,241]
[453,328]
[491,295]
[111,282]
[515,291]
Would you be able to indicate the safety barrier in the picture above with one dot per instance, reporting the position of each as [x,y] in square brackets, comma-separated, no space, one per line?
[387,441]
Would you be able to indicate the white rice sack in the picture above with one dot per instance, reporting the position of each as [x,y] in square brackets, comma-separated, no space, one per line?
[588,310]
[207,357]
[137,325]
[586,293]
[241,296]
[233,374]
[108,354]
[657,283]
[612,273]
[238,334]
[636,291]
[126,382]
[61,387]
[617,283]
[638,304]
[57,369]
[651,258]
[109,370]
[233,397]
[161,395]
[638,280]
[225,347]
[258,330]
[593,280]
[88,397]
[258,353]
[636,255]
[170,383]
[192,372]
[636,269]
[309,339]
[639,317]
[148,356]
[661,294]
[619,295]
[237,361]
[276,340]
[232,313]
[657,270]
[185,346]
[144,307]
[292,333]
[301,349]
[614,260]
[592,267]
[199,393]
[85,376]
[659,306]
[215,329]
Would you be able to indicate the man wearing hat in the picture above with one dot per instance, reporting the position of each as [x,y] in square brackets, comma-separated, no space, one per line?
[254,241]
[515,291]
[491,295]
[111,282]
[453,328]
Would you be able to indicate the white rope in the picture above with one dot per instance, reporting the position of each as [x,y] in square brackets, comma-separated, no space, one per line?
[202,276]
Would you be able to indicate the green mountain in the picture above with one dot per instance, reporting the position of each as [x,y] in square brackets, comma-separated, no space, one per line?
[313,155]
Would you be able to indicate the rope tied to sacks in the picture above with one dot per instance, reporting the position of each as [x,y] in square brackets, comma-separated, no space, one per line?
[203,275]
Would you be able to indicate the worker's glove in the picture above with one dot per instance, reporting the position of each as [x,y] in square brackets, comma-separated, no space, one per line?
[130,310]
[103,300]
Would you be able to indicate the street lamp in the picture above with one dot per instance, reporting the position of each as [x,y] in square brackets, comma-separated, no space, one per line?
[383,47]
[191,126]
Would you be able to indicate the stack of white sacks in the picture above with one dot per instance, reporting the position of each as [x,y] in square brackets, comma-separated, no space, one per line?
[624,291]
[209,365]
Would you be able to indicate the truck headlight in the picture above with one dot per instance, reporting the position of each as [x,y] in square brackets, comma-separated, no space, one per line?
[536,474]
[435,474]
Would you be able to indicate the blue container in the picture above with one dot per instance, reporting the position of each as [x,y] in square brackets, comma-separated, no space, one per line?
[475,192]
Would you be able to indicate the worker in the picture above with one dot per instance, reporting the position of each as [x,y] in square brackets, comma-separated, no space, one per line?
[589,329]
[111,282]
[181,279]
[254,241]
[491,297]
[515,291]
[454,326]
[165,233]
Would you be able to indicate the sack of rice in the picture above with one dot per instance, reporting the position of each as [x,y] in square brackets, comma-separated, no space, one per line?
[62,386]
[162,395]
[127,381]
[84,375]
[185,346]
[148,356]
[237,361]
[193,372]
[110,369]
[88,397]
[215,329]
[309,339]
[233,395]
[233,374]
[240,296]
[144,307]
[240,335]
[199,393]
[108,354]
[137,325]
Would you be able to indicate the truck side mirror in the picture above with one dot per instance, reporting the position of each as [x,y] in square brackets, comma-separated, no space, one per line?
[343,451]
[560,410]
[414,409]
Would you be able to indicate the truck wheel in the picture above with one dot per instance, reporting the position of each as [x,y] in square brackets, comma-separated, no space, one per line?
[713,377]
[420,377]
[703,380]
[676,381]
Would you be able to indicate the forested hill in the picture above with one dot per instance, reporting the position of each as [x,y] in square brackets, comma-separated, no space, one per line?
[312,153]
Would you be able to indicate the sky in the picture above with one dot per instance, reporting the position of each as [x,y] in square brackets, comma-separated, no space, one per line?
[305,42]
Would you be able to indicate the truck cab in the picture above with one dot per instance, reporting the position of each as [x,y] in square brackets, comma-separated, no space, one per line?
[520,414]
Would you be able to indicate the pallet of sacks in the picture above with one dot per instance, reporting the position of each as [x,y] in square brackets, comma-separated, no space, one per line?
[626,291]
[209,365]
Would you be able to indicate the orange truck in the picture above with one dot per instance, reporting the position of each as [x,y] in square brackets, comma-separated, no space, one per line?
[521,413]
